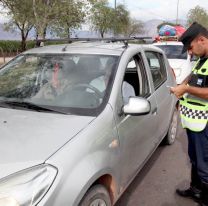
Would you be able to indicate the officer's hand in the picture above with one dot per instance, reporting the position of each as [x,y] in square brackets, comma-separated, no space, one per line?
[179,90]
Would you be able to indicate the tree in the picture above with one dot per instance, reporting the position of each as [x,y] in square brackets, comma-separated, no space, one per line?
[21,18]
[121,20]
[44,11]
[134,28]
[198,14]
[102,17]
[69,16]
[106,19]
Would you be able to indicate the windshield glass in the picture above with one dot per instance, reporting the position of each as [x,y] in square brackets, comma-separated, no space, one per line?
[173,51]
[72,83]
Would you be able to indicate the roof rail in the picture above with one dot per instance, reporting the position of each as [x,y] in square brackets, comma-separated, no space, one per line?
[109,39]
[167,38]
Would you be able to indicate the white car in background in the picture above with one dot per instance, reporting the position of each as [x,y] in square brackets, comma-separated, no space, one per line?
[181,63]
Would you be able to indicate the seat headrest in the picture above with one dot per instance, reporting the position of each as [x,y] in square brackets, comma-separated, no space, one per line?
[89,64]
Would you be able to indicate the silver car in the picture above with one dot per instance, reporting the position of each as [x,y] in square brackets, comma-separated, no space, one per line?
[78,121]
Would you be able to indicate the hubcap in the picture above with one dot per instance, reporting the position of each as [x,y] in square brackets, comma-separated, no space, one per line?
[98,202]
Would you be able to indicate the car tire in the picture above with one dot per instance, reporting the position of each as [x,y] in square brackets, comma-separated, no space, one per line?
[96,195]
[172,131]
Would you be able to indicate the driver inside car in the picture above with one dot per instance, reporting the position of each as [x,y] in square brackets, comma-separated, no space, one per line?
[56,78]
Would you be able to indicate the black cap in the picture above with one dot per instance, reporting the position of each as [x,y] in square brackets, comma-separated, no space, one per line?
[191,33]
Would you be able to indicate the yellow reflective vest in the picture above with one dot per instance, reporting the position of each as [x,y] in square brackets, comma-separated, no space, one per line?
[194,110]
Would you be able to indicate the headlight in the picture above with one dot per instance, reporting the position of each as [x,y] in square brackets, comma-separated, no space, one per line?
[177,71]
[26,188]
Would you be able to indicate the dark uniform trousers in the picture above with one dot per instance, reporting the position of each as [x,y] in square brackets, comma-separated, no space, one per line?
[198,154]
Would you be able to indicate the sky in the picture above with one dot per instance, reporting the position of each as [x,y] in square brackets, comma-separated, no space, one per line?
[155,9]
[160,9]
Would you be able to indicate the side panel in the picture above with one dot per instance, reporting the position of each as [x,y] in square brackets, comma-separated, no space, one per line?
[137,139]
[136,133]
[92,153]
[162,80]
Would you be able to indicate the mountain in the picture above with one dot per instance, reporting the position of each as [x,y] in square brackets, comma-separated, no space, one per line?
[150,28]
[4,35]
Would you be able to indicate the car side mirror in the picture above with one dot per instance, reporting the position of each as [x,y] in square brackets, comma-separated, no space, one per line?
[137,106]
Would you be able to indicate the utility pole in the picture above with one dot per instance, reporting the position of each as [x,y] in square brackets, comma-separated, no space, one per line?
[177,13]
[115,4]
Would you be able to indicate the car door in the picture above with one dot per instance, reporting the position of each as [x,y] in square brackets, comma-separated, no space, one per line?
[136,133]
[163,97]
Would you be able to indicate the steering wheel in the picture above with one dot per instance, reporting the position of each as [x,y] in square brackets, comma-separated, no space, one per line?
[88,86]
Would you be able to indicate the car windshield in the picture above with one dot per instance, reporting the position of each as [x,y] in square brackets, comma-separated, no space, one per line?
[74,83]
[173,51]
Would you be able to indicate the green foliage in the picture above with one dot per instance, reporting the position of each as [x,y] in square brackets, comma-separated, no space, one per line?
[10,46]
[121,20]
[69,16]
[44,13]
[105,19]
[20,18]
[102,17]
[134,28]
[13,47]
[60,17]
[199,15]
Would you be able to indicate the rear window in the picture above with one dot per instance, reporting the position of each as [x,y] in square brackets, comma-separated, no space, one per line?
[173,51]
[157,68]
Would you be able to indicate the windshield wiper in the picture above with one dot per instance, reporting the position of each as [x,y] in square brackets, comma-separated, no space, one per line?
[29,105]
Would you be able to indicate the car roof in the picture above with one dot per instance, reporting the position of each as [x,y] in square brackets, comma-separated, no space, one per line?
[168,43]
[81,48]
[98,47]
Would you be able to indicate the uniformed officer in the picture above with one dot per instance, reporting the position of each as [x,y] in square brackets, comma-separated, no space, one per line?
[193,95]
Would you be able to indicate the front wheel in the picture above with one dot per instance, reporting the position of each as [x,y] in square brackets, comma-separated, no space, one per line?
[172,131]
[96,196]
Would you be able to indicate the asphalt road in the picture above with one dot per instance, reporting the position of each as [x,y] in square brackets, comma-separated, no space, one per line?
[155,185]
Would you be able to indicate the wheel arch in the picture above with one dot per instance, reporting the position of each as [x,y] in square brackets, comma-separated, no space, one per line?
[105,179]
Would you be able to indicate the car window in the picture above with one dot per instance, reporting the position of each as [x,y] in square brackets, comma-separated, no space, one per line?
[173,51]
[74,82]
[157,68]
[135,76]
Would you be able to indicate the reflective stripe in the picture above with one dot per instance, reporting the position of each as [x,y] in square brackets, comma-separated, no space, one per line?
[193,69]
[194,110]
[194,126]
[193,98]
[193,117]
[194,114]
[202,70]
